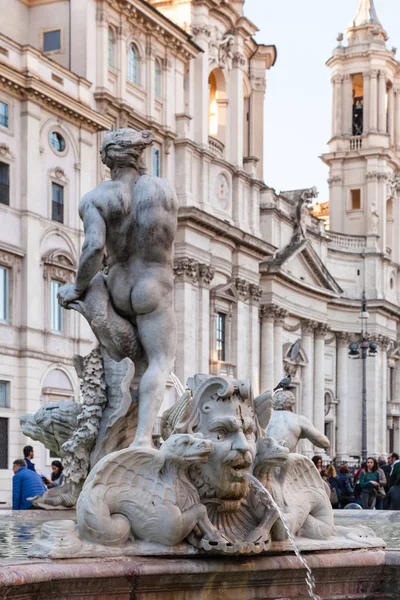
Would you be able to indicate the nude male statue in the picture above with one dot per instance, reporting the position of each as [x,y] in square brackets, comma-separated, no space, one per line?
[132,220]
[287,427]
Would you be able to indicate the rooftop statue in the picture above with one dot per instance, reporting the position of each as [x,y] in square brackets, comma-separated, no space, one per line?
[130,221]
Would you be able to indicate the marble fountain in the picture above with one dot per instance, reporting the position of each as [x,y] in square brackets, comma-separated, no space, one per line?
[226,509]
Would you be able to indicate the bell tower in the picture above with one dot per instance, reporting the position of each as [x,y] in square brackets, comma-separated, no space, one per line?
[364,150]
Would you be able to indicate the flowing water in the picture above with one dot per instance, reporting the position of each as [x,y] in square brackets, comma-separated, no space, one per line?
[178,385]
[310,581]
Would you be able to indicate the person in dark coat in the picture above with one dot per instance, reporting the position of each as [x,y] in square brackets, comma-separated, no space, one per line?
[386,468]
[345,486]
[393,497]
[25,484]
[28,455]
[395,470]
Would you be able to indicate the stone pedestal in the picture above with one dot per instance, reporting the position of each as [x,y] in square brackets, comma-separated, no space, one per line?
[339,576]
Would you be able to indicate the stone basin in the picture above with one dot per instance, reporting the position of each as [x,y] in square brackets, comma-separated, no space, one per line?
[339,574]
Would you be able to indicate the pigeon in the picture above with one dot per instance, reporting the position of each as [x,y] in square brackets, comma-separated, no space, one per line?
[284,384]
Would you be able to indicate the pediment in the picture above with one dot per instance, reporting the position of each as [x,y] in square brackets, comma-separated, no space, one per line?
[225,291]
[300,262]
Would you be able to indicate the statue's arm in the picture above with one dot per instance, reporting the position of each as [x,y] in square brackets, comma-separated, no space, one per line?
[92,253]
[311,433]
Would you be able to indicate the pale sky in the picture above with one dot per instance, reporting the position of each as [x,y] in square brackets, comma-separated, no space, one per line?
[299,95]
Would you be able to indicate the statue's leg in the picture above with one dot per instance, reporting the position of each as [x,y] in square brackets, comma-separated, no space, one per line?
[157,333]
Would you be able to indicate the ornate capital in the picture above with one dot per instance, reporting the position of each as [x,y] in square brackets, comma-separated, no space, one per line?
[337,79]
[255,292]
[308,326]
[102,16]
[242,287]
[190,270]
[335,180]
[280,316]
[186,270]
[238,59]
[343,338]
[201,30]
[267,312]
[206,274]
[383,342]
[321,329]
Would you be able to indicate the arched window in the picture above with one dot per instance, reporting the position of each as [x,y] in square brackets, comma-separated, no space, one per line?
[157,79]
[111,59]
[213,106]
[133,65]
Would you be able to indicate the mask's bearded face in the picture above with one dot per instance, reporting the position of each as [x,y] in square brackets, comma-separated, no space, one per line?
[230,425]
[124,148]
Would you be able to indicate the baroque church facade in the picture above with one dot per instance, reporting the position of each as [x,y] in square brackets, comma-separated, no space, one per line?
[262,286]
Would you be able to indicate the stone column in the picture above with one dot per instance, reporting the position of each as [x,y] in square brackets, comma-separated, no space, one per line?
[391,115]
[307,330]
[205,276]
[256,103]
[201,33]
[348,105]
[122,53]
[373,113]
[319,377]
[234,137]
[397,117]
[255,294]
[267,314]
[102,47]
[342,360]
[383,345]
[382,120]
[280,316]
[367,102]
[186,309]
[337,111]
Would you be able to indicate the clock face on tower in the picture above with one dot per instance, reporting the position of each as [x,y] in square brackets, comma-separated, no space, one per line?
[222,191]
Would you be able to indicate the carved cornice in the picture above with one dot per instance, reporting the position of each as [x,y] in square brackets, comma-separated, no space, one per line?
[189,270]
[27,86]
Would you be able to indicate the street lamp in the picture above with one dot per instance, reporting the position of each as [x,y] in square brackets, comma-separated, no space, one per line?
[368,349]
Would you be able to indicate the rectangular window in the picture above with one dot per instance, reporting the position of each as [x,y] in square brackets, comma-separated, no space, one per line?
[52,40]
[4,183]
[57,203]
[221,335]
[156,167]
[3,443]
[4,115]
[3,294]
[4,394]
[55,308]
[355,199]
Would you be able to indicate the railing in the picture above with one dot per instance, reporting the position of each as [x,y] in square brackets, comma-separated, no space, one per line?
[223,369]
[356,143]
[350,242]
[216,146]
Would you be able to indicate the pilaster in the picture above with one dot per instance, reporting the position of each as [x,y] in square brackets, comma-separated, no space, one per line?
[321,330]
[342,386]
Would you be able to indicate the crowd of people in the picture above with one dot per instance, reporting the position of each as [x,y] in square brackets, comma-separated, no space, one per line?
[373,485]
[27,483]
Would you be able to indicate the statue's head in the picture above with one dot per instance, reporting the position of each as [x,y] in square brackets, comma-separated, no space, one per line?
[186,448]
[124,148]
[223,412]
[283,400]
